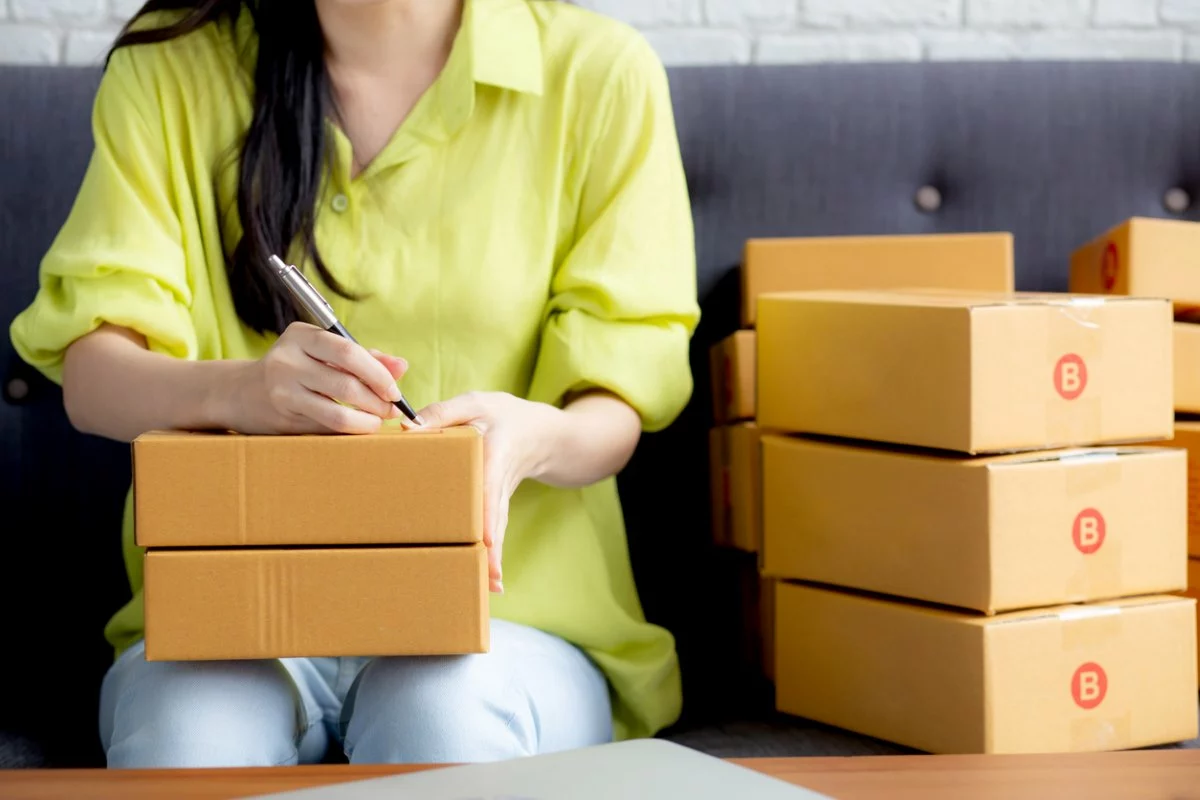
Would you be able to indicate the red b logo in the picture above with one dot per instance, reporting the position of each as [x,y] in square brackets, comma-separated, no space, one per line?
[1110,266]
[1088,531]
[1070,376]
[1089,684]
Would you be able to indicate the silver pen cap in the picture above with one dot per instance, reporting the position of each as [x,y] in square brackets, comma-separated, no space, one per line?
[308,297]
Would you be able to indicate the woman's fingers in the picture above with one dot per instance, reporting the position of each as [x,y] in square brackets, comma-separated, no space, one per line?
[496,552]
[461,410]
[394,364]
[334,417]
[344,388]
[495,516]
[353,359]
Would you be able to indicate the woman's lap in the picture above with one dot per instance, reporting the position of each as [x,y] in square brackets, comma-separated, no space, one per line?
[532,693]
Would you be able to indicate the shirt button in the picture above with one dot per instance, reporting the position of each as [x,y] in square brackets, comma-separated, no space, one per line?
[340,203]
[928,199]
[1176,200]
[16,389]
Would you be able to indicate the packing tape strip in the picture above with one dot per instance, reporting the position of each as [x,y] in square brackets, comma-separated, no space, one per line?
[1088,636]
[1088,472]
[243,512]
[1098,574]
[1089,482]
[1087,627]
[1073,380]
[1093,734]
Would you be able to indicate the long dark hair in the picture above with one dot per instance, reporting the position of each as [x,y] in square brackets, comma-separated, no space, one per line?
[284,152]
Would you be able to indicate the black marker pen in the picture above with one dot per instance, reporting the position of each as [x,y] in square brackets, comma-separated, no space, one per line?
[322,313]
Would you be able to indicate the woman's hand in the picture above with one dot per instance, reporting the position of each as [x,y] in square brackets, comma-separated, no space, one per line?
[518,437]
[313,381]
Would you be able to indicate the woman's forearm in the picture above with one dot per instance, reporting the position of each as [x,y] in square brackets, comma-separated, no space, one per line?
[592,439]
[116,388]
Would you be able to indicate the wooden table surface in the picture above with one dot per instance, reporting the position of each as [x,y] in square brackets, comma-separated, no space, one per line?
[1168,774]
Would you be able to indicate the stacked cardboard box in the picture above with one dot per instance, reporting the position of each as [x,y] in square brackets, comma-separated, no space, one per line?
[1160,258]
[979,262]
[970,557]
[279,546]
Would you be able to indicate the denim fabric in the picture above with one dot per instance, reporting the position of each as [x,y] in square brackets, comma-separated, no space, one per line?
[532,693]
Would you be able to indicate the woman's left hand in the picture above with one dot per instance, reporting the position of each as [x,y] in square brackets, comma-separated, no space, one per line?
[517,437]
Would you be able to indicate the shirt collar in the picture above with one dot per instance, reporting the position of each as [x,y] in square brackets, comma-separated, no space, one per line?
[505,45]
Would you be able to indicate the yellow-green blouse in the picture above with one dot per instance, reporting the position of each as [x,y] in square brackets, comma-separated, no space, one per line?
[527,230]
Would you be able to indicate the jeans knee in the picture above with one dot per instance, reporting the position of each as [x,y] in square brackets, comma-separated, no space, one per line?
[216,714]
[437,710]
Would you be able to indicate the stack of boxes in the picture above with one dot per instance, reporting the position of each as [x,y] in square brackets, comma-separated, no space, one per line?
[1160,258]
[282,546]
[943,598]
[967,552]
[967,262]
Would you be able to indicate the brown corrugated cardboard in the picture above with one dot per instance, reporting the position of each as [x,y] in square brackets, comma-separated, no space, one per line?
[970,373]
[965,261]
[1187,367]
[1193,591]
[247,603]
[1072,678]
[224,490]
[735,482]
[767,617]
[756,617]
[1145,257]
[989,534]
[1187,435]
[732,364]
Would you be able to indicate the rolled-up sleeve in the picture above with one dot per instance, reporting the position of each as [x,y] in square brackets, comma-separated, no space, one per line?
[623,300]
[119,257]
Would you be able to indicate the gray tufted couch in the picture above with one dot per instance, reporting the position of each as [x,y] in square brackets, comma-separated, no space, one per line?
[1054,153]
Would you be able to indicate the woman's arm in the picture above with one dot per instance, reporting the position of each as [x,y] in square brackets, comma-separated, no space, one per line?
[591,439]
[114,386]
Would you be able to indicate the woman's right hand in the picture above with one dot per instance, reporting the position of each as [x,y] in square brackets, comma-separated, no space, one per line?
[313,381]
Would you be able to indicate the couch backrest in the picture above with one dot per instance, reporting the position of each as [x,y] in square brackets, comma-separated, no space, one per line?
[1054,153]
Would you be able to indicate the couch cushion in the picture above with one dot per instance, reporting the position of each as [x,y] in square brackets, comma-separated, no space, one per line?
[18,752]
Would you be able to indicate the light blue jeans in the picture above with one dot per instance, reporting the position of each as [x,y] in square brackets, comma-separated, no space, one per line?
[532,693]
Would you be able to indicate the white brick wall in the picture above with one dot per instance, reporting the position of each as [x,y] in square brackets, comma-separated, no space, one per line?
[765,31]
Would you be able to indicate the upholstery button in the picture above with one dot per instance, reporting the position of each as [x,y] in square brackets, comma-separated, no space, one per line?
[16,389]
[1176,200]
[340,203]
[928,199]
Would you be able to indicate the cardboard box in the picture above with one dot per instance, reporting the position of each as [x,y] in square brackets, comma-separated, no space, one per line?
[1072,678]
[1145,257]
[756,618]
[250,603]
[735,482]
[1187,367]
[965,261]
[732,364]
[1187,436]
[767,615]
[989,534]
[970,373]
[1193,591]
[225,490]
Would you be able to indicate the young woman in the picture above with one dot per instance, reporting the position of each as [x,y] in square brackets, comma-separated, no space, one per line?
[491,189]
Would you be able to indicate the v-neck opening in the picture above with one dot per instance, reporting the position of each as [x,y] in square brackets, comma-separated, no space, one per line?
[440,112]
